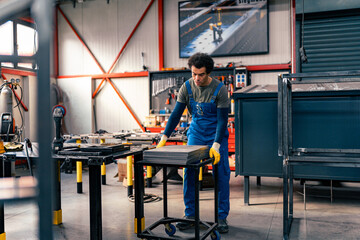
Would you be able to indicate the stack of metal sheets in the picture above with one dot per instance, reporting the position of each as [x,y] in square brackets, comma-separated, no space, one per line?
[92,149]
[176,154]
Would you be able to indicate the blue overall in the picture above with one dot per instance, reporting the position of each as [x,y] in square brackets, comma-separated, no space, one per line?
[202,132]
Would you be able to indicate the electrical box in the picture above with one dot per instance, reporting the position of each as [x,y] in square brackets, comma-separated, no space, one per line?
[241,78]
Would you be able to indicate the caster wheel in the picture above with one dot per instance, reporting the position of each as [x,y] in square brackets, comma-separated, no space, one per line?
[170,229]
[215,235]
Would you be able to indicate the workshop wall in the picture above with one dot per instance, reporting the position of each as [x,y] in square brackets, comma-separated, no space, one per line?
[78,118]
[105,28]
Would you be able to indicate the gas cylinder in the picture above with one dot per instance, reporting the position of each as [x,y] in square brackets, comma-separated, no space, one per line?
[6,100]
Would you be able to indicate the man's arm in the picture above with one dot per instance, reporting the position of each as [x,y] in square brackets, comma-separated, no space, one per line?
[172,122]
[222,119]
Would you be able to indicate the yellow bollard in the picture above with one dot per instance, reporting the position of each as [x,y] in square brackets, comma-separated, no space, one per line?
[3,236]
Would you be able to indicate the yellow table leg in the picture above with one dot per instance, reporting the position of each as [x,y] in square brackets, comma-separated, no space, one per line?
[149,176]
[142,225]
[103,173]
[79,176]
[129,174]
[78,141]
[57,217]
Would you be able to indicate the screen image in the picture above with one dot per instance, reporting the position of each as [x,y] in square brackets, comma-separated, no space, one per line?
[223,27]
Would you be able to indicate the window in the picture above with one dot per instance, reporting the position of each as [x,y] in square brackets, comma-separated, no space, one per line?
[6,40]
[26,42]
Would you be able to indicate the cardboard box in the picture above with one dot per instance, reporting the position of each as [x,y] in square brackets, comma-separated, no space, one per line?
[122,169]
[150,121]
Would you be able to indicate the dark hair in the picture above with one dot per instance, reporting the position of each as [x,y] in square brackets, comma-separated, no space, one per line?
[200,60]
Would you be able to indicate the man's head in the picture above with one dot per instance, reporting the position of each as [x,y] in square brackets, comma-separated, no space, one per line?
[201,65]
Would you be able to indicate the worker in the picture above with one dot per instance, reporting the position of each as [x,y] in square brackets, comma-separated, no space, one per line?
[207,100]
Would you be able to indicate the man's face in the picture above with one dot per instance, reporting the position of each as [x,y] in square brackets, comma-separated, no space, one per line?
[200,76]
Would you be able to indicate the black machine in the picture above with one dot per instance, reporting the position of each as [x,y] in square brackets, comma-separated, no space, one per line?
[6,126]
[59,112]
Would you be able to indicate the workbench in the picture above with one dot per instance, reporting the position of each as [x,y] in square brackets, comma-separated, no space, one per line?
[95,159]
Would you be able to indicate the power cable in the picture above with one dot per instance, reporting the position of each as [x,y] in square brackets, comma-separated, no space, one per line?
[303,56]
[27,144]
[147,198]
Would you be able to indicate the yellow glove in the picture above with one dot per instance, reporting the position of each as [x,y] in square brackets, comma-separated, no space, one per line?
[162,141]
[215,153]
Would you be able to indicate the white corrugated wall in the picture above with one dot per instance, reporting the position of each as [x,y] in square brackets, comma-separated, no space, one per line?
[105,28]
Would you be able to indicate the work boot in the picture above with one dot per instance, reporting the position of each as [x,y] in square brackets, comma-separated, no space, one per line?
[185,225]
[174,175]
[222,226]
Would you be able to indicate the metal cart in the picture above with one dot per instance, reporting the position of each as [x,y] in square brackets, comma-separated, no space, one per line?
[166,220]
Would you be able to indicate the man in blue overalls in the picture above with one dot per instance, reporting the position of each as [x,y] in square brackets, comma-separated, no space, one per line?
[207,100]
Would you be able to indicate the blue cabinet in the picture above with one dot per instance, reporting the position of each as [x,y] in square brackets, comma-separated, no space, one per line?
[324,116]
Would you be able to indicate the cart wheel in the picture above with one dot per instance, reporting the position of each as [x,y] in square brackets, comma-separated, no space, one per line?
[215,235]
[170,229]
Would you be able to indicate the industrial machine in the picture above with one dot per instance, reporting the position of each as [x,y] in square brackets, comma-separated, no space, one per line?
[59,112]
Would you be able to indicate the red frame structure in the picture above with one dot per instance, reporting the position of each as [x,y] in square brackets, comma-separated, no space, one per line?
[107,75]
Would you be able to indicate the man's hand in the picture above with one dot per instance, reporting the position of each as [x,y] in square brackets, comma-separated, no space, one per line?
[162,141]
[215,152]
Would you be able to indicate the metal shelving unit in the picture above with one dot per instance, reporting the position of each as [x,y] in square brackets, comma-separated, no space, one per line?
[295,156]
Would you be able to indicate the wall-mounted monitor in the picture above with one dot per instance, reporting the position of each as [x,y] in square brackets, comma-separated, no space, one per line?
[223,27]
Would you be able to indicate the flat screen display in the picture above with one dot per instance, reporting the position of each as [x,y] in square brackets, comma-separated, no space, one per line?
[223,27]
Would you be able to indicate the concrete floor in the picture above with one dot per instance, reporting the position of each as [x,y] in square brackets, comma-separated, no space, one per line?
[262,219]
